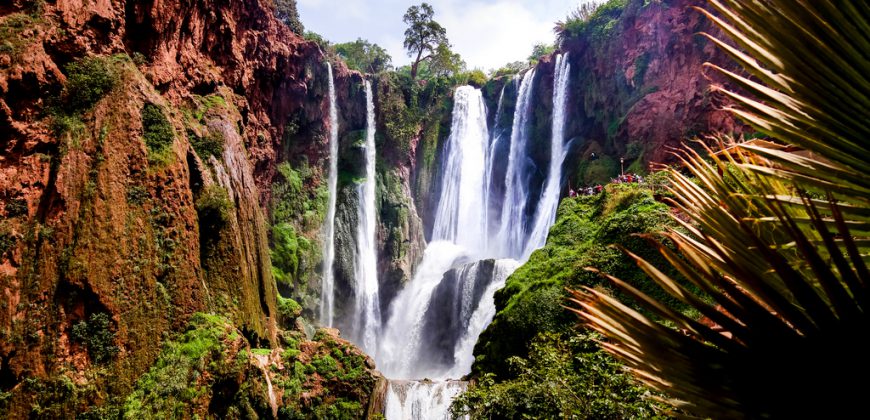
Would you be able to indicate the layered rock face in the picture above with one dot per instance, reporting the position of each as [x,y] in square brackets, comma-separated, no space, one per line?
[139,142]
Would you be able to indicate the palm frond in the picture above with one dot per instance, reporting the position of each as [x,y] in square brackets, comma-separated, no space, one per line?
[778,240]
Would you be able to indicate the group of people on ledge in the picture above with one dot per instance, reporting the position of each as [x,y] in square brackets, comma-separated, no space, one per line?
[621,179]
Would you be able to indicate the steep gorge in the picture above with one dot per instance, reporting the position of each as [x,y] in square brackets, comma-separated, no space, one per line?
[95,223]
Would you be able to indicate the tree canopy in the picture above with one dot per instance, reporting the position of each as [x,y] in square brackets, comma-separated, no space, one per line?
[424,36]
[364,56]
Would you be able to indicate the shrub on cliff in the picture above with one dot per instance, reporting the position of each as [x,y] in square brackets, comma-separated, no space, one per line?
[157,132]
[88,80]
[564,376]
[96,335]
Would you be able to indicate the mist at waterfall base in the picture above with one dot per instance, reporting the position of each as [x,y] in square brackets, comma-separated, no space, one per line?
[481,234]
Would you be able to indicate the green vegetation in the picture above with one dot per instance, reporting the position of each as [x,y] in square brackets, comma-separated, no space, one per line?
[593,20]
[12,39]
[363,56]
[286,11]
[178,376]
[425,36]
[335,380]
[533,297]
[539,51]
[565,376]
[289,310]
[214,207]
[777,243]
[158,133]
[205,140]
[16,207]
[88,80]
[97,336]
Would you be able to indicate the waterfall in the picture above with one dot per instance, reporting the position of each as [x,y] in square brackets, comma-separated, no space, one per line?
[549,202]
[461,216]
[327,282]
[480,318]
[495,143]
[368,316]
[402,338]
[427,400]
[512,232]
[434,322]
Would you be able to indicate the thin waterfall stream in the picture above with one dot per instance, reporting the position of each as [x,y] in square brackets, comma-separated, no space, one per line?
[327,284]
[367,306]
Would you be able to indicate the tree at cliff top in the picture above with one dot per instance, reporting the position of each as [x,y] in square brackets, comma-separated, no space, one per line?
[362,55]
[424,36]
[778,235]
[286,11]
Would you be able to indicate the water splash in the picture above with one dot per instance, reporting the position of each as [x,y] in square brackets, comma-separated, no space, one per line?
[403,334]
[327,282]
[367,303]
[416,400]
[549,202]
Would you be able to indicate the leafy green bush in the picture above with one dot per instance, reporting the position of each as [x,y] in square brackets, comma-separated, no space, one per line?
[88,80]
[96,335]
[564,376]
[157,132]
[212,144]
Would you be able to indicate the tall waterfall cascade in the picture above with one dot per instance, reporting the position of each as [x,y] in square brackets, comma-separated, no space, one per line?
[484,227]
[511,235]
[367,320]
[549,202]
[327,282]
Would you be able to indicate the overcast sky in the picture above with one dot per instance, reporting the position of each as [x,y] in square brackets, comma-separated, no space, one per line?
[487,33]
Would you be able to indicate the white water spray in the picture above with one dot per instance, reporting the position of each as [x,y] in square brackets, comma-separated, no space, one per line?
[327,282]
[367,310]
[549,202]
[461,217]
[511,234]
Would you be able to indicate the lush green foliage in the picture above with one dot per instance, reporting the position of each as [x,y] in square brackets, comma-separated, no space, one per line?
[364,56]
[775,241]
[88,80]
[176,379]
[97,336]
[533,297]
[564,376]
[541,50]
[286,11]
[157,132]
[425,39]
[593,20]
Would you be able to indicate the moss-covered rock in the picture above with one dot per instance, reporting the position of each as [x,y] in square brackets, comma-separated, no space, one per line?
[533,297]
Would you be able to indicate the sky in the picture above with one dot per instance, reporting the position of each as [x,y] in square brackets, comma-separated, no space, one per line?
[486,33]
